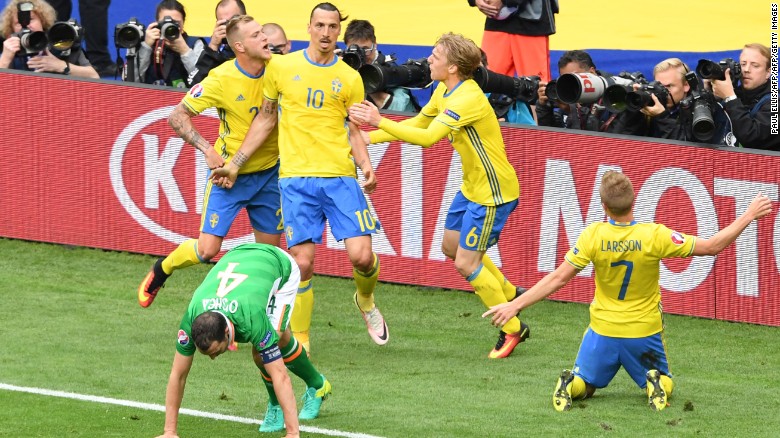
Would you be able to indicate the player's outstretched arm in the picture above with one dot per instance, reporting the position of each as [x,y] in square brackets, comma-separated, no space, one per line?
[544,288]
[362,159]
[368,113]
[284,393]
[759,207]
[259,131]
[175,392]
[181,122]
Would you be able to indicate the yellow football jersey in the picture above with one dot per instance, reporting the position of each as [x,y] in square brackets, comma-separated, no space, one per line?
[488,178]
[313,101]
[626,258]
[237,96]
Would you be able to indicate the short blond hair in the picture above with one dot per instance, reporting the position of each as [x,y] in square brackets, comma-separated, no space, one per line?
[671,63]
[462,53]
[763,50]
[45,13]
[234,26]
[617,192]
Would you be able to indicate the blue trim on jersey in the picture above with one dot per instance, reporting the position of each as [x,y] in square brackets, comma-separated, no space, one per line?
[475,273]
[306,55]
[305,289]
[621,224]
[446,94]
[247,74]
[492,178]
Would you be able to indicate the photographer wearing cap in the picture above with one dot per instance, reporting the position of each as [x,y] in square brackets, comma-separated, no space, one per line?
[674,118]
[361,39]
[26,47]
[167,55]
[587,117]
[749,106]
[218,50]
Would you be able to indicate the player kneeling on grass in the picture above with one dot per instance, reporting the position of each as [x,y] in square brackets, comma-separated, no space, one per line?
[626,324]
[459,110]
[248,297]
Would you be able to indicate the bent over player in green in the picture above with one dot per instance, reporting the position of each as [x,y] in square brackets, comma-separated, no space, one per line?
[459,111]
[248,297]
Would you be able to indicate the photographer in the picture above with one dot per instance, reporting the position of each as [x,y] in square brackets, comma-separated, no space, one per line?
[360,36]
[587,117]
[37,16]
[674,119]
[748,106]
[217,51]
[168,59]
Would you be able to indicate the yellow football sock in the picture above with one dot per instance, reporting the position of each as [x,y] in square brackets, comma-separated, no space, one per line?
[577,388]
[300,321]
[488,289]
[366,283]
[509,289]
[185,255]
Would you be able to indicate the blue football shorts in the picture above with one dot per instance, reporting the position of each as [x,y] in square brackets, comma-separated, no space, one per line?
[308,201]
[600,357]
[257,192]
[479,225]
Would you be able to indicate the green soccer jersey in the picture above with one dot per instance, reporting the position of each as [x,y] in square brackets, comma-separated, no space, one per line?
[241,287]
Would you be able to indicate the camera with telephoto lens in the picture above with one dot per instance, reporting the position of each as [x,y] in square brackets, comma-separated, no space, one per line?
[615,95]
[585,87]
[381,76]
[521,88]
[31,42]
[169,29]
[701,104]
[129,35]
[710,70]
[642,97]
[354,56]
[65,36]
[551,90]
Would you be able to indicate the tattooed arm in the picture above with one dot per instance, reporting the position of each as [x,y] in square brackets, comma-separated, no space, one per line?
[181,122]
[259,130]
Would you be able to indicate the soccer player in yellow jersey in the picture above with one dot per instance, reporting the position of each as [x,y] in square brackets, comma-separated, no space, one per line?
[308,93]
[626,323]
[235,88]
[460,111]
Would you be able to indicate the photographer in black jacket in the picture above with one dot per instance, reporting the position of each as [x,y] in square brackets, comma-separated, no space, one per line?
[674,119]
[749,105]
[587,117]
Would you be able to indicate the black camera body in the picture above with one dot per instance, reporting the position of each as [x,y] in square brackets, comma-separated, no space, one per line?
[276,50]
[700,103]
[381,76]
[642,97]
[32,42]
[523,88]
[551,90]
[129,35]
[615,95]
[710,70]
[169,29]
[354,56]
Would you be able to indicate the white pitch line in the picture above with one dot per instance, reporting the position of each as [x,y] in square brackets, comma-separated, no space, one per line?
[161,408]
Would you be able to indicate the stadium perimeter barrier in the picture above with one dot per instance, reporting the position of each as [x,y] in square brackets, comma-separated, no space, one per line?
[95,164]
